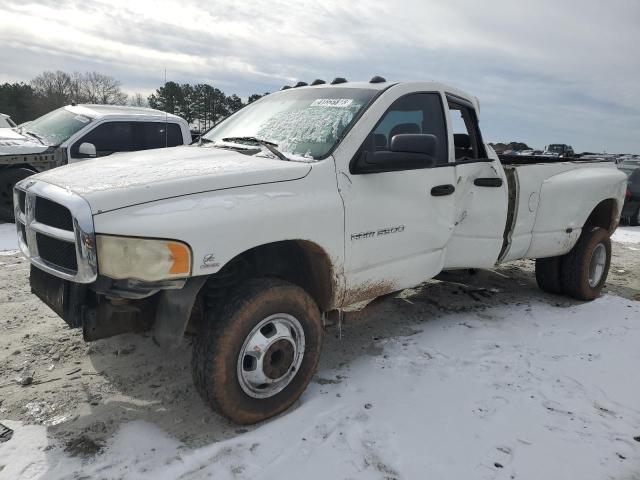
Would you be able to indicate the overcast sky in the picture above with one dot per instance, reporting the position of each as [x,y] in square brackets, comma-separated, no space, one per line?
[550,72]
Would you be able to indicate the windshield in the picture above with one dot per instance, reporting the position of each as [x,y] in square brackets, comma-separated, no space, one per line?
[57,126]
[304,123]
[555,148]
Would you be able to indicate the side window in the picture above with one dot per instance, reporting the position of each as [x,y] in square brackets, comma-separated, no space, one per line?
[466,134]
[159,135]
[418,113]
[109,138]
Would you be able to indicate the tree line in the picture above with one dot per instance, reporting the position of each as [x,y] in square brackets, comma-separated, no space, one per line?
[201,104]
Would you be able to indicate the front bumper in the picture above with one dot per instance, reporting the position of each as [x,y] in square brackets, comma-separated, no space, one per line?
[105,314]
[81,307]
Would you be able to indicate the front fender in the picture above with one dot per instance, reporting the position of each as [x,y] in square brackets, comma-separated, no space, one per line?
[220,225]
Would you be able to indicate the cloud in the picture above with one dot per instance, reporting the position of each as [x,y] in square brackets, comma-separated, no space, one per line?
[544,71]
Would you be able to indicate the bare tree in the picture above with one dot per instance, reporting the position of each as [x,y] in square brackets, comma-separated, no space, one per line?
[138,100]
[99,88]
[60,88]
[53,87]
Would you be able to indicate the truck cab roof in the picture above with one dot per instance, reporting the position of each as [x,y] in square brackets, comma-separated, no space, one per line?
[429,86]
[105,111]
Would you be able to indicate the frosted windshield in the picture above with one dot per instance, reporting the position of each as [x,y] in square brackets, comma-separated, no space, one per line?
[306,122]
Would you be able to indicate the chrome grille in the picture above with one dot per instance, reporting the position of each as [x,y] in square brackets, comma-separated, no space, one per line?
[22,196]
[53,214]
[55,230]
[57,252]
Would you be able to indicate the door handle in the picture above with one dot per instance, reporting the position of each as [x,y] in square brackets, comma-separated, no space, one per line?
[488,182]
[442,190]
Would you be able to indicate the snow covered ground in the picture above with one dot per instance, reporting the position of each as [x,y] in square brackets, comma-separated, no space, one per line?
[8,239]
[627,235]
[445,382]
[518,391]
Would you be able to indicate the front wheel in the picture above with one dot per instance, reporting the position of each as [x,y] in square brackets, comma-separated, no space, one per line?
[255,355]
[585,268]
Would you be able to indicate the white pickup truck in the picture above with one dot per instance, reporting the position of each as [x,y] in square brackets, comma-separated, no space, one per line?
[77,132]
[306,201]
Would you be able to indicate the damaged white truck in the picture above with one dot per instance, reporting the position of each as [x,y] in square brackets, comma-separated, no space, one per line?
[306,201]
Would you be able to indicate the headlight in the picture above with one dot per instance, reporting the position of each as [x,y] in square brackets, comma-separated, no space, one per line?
[142,259]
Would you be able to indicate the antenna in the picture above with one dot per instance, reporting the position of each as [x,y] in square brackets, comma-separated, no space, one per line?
[166,121]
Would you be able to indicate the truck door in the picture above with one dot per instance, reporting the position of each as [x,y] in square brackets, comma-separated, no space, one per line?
[399,206]
[481,194]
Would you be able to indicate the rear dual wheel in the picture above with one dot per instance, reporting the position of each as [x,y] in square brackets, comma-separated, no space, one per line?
[255,355]
[583,271]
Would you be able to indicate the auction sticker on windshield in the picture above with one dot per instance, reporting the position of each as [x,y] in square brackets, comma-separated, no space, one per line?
[332,102]
[82,119]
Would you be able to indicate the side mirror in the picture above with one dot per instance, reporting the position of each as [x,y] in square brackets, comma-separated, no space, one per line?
[409,151]
[87,150]
[414,143]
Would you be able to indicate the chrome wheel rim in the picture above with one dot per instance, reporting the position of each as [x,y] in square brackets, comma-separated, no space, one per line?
[597,264]
[271,355]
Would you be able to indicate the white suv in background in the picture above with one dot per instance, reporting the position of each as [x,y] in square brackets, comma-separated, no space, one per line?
[78,132]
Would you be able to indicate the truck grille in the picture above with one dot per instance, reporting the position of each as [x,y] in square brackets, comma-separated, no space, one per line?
[53,214]
[22,196]
[55,231]
[57,252]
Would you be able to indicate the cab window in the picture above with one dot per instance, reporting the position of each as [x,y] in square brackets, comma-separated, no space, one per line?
[160,135]
[418,113]
[112,137]
[464,127]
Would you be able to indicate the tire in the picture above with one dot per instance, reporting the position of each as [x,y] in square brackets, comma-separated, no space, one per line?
[223,376]
[8,179]
[580,279]
[634,220]
[548,274]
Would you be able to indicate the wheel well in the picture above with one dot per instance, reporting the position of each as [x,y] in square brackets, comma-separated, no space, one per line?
[300,262]
[605,215]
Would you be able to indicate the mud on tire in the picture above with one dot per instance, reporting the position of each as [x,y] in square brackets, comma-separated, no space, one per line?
[223,334]
[578,265]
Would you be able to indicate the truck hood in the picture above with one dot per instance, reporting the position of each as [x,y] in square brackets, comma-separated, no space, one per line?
[15,143]
[126,179]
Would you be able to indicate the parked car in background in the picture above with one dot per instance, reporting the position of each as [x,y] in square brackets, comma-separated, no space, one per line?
[6,122]
[558,150]
[78,132]
[631,208]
